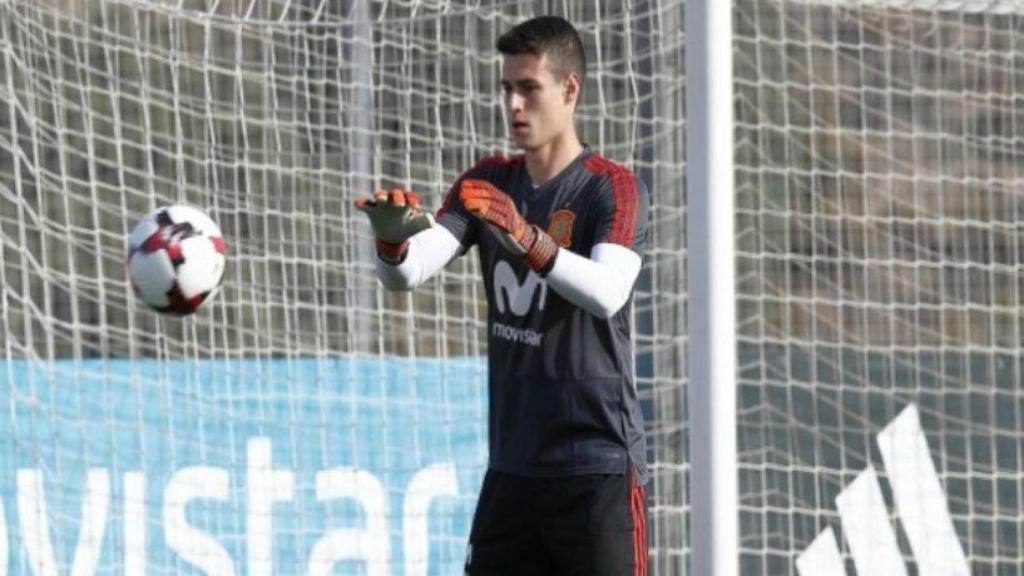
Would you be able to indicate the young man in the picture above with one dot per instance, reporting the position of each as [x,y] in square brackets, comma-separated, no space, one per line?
[561,232]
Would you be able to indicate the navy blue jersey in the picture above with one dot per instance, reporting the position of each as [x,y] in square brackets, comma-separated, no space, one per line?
[562,400]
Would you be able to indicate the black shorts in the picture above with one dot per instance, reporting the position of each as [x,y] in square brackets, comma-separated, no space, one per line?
[594,525]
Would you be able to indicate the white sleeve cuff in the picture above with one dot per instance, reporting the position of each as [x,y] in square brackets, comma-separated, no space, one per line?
[429,251]
[600,284]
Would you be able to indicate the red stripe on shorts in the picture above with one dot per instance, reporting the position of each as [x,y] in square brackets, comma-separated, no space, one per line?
[638,505]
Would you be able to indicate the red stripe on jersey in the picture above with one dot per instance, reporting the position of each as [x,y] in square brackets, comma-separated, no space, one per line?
[489,162]
[624,188]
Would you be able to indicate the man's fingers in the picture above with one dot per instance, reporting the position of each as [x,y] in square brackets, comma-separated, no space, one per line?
[393,215]
[382,198]
[474,195]
[475,205]
[479,186]
[366,204]
[483,204]
[482,199]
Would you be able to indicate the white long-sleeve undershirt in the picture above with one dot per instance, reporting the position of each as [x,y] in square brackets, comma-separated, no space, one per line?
[600,284]
[429,251]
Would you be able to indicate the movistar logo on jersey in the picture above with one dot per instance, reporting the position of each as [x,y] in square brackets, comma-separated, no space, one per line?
[868,531]
[512,297]
[519,299]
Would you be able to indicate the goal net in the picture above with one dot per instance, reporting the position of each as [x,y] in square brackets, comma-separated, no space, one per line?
[307,420]
[878,193]
[310,421]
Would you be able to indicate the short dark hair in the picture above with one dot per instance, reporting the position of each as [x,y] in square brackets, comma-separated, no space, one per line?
[549,35]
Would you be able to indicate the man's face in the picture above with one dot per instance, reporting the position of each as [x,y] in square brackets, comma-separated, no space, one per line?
[538,105]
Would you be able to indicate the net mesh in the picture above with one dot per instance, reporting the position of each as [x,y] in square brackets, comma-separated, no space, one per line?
[272,116]
[877,156]
[878,151]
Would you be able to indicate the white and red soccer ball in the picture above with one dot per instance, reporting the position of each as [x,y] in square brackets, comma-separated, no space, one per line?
[175,259]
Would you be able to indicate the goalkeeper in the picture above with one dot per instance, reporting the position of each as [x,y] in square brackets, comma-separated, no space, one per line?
[560,232]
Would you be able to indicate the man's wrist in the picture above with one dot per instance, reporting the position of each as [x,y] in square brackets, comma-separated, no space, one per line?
[541,250]
[393,254]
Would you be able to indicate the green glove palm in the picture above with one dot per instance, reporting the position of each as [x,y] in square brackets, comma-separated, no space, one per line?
[394,217]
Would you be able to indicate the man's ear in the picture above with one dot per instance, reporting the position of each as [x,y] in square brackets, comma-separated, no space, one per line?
[571,88]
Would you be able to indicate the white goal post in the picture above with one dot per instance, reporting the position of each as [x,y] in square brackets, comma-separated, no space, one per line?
[711,289]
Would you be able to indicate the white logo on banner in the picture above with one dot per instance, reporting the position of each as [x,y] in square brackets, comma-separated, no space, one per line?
[265,488]
[922,508]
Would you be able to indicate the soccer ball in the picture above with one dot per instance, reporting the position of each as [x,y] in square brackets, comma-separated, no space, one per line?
[175,259]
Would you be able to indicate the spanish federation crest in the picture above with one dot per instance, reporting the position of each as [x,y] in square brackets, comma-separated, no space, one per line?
[560,227]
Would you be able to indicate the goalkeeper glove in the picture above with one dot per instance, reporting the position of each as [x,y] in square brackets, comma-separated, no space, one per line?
[514,233]
[394,217]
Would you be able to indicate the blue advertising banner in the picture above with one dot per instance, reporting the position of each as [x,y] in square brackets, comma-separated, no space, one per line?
[276,466]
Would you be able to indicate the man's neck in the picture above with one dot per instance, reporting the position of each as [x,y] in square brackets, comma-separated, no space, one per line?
[546,162]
